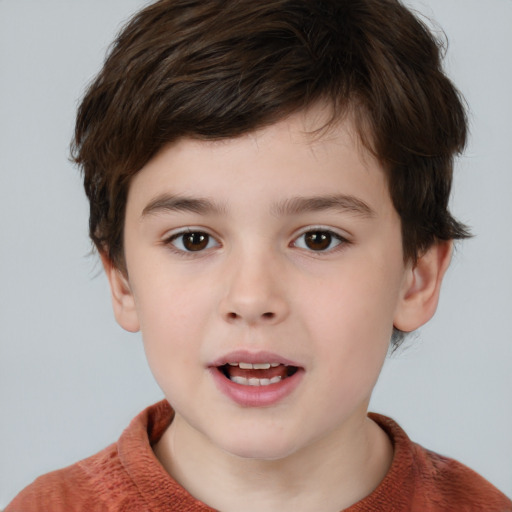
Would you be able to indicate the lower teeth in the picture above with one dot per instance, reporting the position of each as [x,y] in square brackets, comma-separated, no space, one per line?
[255,382]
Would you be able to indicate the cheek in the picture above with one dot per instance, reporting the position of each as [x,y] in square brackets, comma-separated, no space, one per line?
[172,318]
[352,326]
[357,302]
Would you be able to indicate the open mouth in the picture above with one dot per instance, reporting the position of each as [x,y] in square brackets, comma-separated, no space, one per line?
[257,374]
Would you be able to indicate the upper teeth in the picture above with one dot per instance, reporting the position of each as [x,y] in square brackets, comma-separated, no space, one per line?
[255,366]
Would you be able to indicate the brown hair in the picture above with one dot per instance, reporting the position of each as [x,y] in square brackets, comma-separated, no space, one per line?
[213,69]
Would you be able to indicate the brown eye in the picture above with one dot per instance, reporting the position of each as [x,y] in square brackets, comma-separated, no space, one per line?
[193,241]
[319,240]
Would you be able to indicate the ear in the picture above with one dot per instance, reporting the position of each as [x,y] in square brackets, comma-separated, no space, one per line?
[123,301]
[421,287]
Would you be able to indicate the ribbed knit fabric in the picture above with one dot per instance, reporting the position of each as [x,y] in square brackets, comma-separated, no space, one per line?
[127,477]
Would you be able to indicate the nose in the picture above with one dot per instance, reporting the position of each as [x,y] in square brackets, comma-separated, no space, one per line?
[255,292]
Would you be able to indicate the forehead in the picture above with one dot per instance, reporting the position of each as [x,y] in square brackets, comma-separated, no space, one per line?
[298,156]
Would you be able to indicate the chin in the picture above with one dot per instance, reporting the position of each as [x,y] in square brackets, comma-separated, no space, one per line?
[259,447]
[261,453]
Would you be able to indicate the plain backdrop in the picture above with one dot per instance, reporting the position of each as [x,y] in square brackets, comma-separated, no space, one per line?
[71,379]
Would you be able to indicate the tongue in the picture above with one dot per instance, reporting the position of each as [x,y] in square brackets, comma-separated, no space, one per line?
[278,371]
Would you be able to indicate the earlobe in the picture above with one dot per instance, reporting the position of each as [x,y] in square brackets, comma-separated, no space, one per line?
[123,301]
[421,287]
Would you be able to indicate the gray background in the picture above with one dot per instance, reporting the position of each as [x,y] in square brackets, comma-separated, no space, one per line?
[71,379]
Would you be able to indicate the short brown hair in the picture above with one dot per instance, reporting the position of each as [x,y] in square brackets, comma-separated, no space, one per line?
[213,69]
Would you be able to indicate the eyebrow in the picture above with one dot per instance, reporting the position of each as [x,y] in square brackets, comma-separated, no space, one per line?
[179,203]
[340,202]
[292,206]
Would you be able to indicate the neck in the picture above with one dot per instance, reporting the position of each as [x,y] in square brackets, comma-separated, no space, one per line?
[330,474]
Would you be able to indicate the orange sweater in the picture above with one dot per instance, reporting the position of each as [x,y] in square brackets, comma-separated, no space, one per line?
[127,477]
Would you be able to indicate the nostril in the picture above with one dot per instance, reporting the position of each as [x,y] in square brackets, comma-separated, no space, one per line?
[232,316]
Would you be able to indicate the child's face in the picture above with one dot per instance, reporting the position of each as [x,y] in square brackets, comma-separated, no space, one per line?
[269,248]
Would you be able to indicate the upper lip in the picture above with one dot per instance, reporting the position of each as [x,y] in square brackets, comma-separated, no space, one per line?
[244,356]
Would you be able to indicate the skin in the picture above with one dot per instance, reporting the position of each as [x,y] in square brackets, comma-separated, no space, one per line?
[258,286]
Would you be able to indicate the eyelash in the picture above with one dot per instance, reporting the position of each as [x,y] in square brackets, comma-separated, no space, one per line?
[332,236]
[327,235]
[183,251]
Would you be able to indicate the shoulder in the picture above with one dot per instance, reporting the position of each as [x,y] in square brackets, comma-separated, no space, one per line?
[430,482]
[453,486]
[78,487]
[108,481]
[124,477]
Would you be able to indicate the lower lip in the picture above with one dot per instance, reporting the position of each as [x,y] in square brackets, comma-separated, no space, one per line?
[256,396]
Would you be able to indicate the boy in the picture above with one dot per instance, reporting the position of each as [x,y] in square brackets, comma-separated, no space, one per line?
[268,185]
